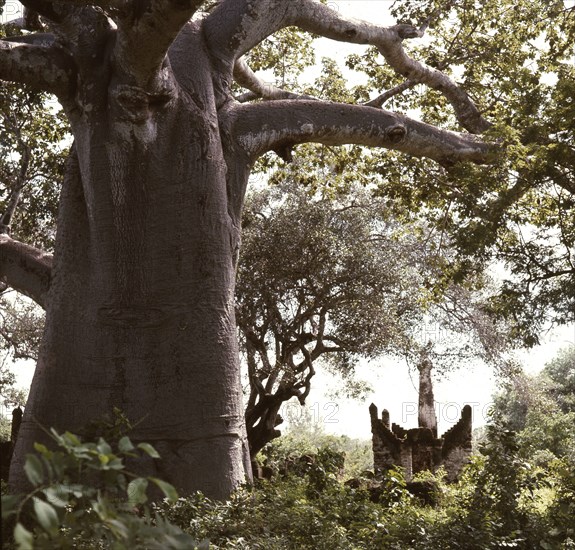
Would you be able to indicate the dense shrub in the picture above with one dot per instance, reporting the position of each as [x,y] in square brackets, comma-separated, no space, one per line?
[500,501]
[83,497]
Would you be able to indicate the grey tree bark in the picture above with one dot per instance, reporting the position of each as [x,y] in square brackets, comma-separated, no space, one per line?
[139,294]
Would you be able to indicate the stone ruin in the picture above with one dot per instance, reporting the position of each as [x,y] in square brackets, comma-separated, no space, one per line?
[7,447]
[420,449]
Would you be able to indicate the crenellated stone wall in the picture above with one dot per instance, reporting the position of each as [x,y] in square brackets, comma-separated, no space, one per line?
[456,448]
[7,447]
[418,449]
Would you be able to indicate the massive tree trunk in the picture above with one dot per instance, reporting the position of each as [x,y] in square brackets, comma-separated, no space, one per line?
[141,304]
[140,294]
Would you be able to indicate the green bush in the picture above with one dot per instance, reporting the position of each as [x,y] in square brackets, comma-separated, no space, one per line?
[306,437]
[499,502]
[308,509]
[83,497]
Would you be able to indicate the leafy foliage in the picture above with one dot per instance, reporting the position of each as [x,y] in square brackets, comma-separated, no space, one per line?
[335,277]
[82,496]
[31,163]
[506,496]
[541,409]
[32,156]
[499,502]
[514,58]
[21,326]
[10,398]
[305,437]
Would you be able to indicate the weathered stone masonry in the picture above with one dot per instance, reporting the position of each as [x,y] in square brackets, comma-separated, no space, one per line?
[7,447]
[419,449]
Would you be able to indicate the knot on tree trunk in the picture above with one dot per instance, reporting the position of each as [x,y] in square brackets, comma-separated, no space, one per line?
[405,31]
[396,133]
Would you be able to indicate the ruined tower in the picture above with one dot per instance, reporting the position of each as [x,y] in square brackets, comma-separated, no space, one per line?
[420,449]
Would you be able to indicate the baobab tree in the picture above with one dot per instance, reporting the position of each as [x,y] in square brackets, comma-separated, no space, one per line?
[139,294]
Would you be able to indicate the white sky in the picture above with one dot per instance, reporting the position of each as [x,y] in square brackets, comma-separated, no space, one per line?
[394,389]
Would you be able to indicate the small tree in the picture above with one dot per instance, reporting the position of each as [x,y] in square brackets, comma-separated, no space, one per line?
[317,278]
[335,279]
[542,410]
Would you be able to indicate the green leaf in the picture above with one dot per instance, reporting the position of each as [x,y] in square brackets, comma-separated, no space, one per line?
[168,489]
[147,448]
[57,495]
[103,508]
[103,447]
[137,491]
[114,464]
[75,489]
[23,538]
[41,448]
[72,439]
[33,469]
[120,530]
[125,445]
[46,515]
[57,437]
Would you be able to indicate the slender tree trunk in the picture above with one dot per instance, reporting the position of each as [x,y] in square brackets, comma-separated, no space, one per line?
[141,304]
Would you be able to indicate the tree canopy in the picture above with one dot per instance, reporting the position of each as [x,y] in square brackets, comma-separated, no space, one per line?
[333,279]
[518,211]
[515,59]
[541,409]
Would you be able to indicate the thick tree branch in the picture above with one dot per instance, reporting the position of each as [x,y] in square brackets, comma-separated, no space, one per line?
[56,11]
[236,26]
[389,41]
[45,39]
[465,110]
[105,4]
[44,8]
[25,268]
[262,127]
[231,31]
[48,69]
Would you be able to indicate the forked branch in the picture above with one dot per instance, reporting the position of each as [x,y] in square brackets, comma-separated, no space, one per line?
[146,30]
[236,26]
